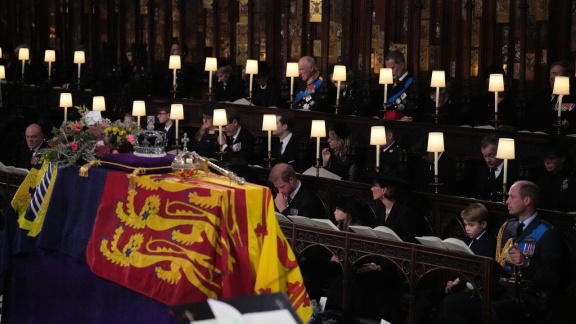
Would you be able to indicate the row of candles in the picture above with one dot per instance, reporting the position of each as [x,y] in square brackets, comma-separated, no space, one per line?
[496,81]
[318,130]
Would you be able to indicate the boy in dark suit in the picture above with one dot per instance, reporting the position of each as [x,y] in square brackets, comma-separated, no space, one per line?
[459,304]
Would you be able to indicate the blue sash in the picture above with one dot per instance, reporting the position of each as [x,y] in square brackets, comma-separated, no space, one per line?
[394,97]
[303,94]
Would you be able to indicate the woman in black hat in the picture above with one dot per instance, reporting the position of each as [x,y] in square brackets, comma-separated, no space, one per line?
[558,183]
[206,140]
[338,157]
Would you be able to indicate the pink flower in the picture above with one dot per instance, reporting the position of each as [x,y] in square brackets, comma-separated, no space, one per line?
[130,138]
[74,146]
[77,127]
[114,151]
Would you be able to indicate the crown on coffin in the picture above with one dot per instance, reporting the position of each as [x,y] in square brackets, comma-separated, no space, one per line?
[150,143]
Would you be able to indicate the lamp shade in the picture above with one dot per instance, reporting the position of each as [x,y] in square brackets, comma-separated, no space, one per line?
[251,67]
[561,85]
[65,99]
[2,72]
[50,56]
[435,142]
[174,63]
[211,64]
[79,57]
[506,149]
[177,111]
[269,122]
[23,54]
[386,76]
[378,135]
[438,79]
[220,118]
[339,73]
[496,83]
[292,69]
[139,108]
[318,128]
[98,103]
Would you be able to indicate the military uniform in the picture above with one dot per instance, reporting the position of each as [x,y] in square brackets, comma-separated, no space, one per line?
[535,284]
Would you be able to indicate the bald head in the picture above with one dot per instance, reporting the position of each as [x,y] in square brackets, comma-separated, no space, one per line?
[34,136]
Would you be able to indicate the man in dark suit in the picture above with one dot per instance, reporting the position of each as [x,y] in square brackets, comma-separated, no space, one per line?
[29,155]
[239,142]
[166,125]
[293,197]
[489,176]
[531,252]
[286,150]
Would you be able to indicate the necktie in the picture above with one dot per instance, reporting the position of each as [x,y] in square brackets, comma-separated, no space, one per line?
[281,146]
[519,229]
[472,243]
[288,201]
[492,175]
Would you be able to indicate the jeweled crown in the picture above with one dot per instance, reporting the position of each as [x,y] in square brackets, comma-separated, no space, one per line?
[150,142]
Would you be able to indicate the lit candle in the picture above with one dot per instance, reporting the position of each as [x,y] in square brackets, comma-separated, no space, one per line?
[24,55]
[561,88]
[505,172]
[291,72]
[435,163]
[220,119]
[174,63]
[438,81]
[505,152]
[50,56]
[338,75]
[386,78]
[251,68]
[177,113]
[318,130]
[210,65]
[269,124]
[436,145]
[317,147]
[378,138]
[496,84]
[79,58]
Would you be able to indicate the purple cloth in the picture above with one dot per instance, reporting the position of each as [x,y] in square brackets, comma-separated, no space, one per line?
[131,161]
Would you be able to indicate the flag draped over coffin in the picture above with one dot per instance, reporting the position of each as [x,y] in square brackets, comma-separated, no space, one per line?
[184,241]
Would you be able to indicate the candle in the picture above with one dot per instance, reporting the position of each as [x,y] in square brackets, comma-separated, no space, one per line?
[437,97]
[377,155]
[505,172]
[318,130]
[378,138]
[210,79]
[79,70]
[339,74]
[251,68]
[317,147]
[269,124]
[174,78]
[435,163]
[220,134]
[496,84]
[386,78]
[561,88]
[174,63]
[176,130]
[50,56]
[65,114]
[79,58]
[292,72]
